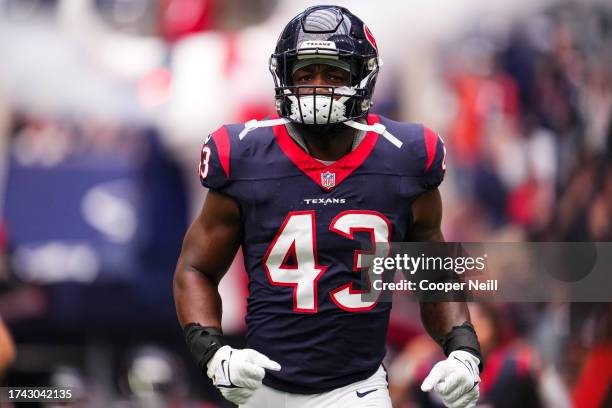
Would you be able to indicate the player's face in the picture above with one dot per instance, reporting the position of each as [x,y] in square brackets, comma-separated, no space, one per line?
[320,74]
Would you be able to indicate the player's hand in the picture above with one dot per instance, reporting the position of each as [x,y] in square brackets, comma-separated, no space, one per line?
[237,373]
[455,380]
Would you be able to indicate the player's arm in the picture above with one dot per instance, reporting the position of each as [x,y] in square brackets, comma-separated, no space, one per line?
[208,249]
[448,323]
[438,317]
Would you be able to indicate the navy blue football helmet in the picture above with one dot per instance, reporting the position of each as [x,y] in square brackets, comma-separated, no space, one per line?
[325,34]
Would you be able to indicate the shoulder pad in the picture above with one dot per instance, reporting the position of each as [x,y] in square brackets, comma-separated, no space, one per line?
[422,155]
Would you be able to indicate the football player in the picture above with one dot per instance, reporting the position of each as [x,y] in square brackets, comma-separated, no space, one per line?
[302,192]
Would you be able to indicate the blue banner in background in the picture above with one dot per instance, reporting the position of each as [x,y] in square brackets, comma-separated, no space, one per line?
[102,226]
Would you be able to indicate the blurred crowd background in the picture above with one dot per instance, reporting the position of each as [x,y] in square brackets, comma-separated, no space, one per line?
[104,105]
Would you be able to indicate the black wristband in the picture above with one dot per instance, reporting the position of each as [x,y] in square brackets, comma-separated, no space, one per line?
[463,338]
[203,342]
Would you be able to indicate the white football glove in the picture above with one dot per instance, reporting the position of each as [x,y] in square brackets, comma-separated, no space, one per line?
[455,380]
[237,373]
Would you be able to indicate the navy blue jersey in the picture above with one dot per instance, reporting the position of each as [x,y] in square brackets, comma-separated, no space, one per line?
[304,227]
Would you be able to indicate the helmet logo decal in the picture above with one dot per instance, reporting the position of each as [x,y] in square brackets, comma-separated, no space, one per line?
[321,47]
[370,37]
[318,44]
[328,179]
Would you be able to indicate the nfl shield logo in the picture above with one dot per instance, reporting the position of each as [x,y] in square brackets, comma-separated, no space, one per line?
[328,179]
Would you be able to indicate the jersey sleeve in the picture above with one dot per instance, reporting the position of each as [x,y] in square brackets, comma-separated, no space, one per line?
[435,160]
[214,167]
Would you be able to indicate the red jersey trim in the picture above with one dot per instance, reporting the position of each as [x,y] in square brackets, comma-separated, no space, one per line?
[221,138]
[314,169]
[431,143]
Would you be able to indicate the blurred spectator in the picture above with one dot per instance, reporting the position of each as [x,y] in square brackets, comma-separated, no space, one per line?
[511,376]
[530,137]
[7,349]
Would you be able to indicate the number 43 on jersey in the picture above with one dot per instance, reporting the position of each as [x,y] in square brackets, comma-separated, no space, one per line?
[296,239]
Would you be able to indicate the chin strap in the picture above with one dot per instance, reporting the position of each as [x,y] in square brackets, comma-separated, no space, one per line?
[376,128]
[254,124]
